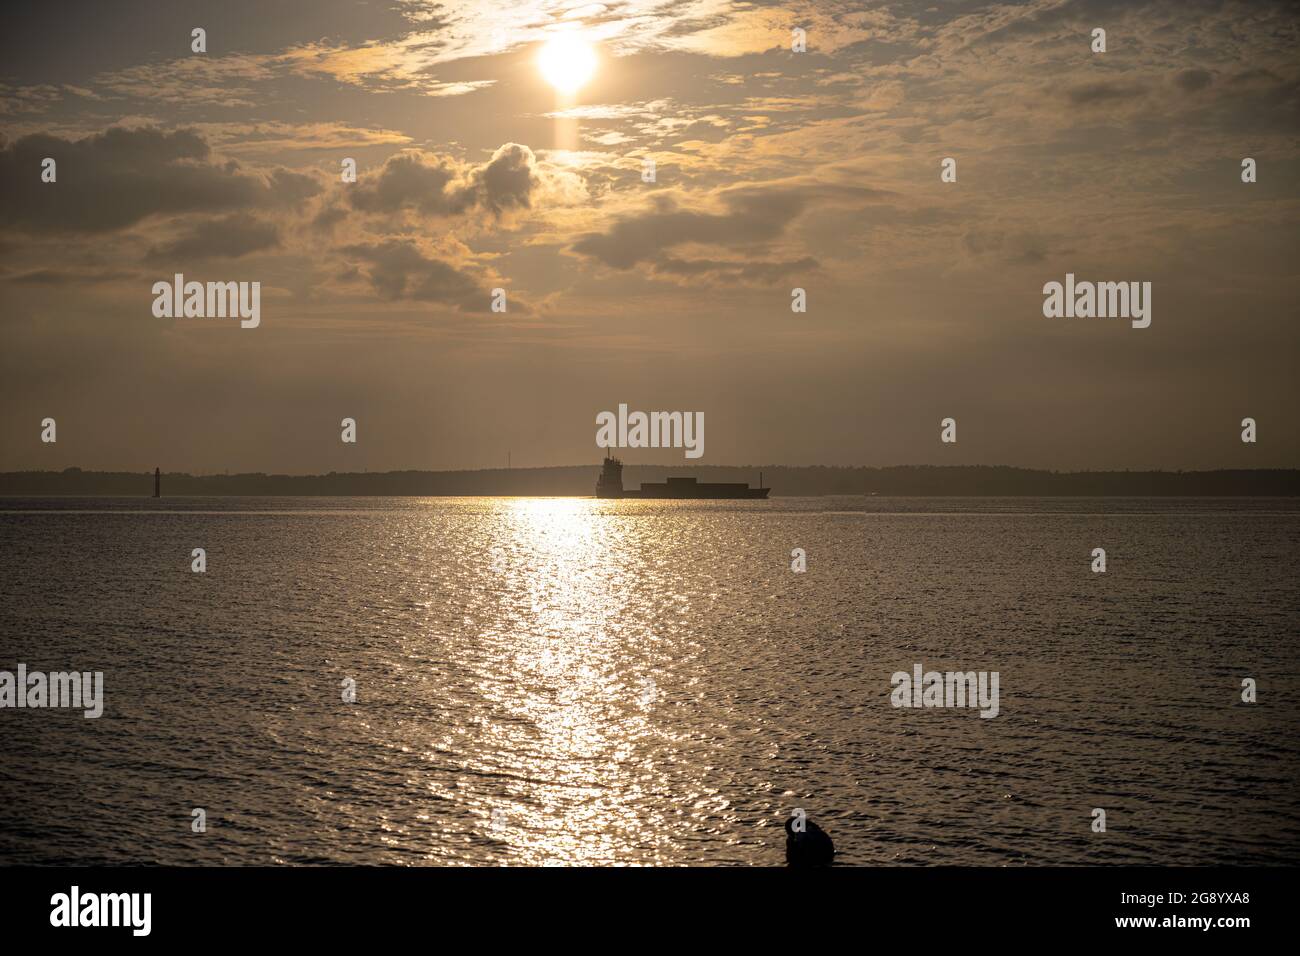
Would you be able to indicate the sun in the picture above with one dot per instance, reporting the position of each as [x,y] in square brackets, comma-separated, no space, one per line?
[567,61]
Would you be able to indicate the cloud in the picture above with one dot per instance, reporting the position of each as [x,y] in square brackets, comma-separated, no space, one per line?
[732,270]
[1104,92]
[62,278]
[1193,80]
[230,237]
[271,138]
[406,181]
[399,270]
[288,188]
[23,99]
[508,180]
[115,179]
[441,186]
[1019,248]
[219,81]
[749,215]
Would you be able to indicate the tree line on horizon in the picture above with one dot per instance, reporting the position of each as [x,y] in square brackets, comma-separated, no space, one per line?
[580,480]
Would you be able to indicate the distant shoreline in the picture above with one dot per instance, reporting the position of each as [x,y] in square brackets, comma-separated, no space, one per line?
[579,481]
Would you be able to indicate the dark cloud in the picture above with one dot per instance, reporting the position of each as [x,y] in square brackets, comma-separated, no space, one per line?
[329,217]
[756,271]
[751,215]
[1083,15]
[61,278]
[289,188]
[117,178]
[1273,92]
[440,186]
[1104,92]
[1192,81]
[508,180]
[406,181]
[229,237]
[1014,249]
[399,270]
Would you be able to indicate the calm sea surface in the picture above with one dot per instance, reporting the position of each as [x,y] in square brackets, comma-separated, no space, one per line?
[557,681]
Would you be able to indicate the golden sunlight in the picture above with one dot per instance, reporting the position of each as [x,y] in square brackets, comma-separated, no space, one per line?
[567,61]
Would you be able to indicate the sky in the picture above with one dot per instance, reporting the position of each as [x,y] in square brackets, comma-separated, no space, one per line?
[773,170]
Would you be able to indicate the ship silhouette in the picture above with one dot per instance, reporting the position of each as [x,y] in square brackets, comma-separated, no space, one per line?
[610,485]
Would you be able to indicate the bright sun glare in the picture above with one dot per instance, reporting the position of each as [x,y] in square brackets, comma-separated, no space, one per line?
[567,61]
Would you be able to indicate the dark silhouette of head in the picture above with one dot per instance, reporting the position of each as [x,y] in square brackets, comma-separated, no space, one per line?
[807,844]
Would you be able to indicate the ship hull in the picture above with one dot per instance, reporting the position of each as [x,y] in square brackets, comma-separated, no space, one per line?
[610,485]
[714,492]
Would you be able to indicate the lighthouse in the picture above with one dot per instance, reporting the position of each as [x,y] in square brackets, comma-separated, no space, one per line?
[157,483]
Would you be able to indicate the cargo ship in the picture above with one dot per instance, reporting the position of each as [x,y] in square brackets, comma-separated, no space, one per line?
[610,485]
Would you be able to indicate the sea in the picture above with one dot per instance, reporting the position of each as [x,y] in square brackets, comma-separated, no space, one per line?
[572,681]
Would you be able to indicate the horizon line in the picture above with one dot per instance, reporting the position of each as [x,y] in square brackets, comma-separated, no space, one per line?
[521,468]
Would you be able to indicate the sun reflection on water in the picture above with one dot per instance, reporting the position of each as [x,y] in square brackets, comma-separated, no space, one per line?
[572,692]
